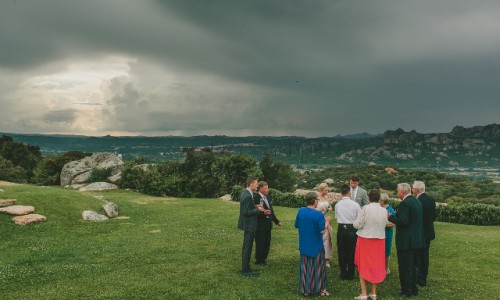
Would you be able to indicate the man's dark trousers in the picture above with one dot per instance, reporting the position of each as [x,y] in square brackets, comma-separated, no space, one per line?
[246,251]
[262,245]
[346,245]
[423,264]
[407,262]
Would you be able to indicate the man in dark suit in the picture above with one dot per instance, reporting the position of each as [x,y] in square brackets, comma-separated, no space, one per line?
[429,215]
[248,223]
[264,224]
[357,193]
[409,238]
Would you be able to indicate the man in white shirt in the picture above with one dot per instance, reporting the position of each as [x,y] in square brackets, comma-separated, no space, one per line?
[346,212]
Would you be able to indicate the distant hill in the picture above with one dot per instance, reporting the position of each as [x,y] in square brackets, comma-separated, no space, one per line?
[474,147]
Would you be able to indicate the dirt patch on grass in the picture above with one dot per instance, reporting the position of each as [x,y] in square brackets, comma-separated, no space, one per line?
[7,183]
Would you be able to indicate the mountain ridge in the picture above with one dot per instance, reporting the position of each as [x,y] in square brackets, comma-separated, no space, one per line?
[477,146]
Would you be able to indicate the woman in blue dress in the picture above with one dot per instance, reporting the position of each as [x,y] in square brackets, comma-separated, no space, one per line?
[311,224]
[389,228]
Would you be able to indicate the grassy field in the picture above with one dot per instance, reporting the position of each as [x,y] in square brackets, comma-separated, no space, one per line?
[191,249]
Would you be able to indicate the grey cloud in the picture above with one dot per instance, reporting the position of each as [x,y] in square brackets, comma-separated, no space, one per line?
[60,116]
[302,67]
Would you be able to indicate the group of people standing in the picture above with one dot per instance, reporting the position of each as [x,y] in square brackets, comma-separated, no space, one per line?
[365,223]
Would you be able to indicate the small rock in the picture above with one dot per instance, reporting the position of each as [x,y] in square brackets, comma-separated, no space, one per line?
[226,197]
[329,181]
[110,209]
[18,210]
[27,219]
[99,197]
[89,215]
[99,186]
[7,202]
[115,178]
[1,191]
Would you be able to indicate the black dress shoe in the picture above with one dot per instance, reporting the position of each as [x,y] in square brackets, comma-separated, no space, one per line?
[250,273]
[422,283]
[343,277]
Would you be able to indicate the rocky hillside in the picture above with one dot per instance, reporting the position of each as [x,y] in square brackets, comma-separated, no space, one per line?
[467,147]
[475,147]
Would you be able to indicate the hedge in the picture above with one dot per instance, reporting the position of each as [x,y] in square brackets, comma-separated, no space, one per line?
[470,214]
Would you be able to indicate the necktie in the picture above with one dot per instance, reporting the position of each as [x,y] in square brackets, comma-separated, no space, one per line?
[265,201]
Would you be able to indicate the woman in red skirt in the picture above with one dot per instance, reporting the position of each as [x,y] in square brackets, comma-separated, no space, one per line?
[370,247]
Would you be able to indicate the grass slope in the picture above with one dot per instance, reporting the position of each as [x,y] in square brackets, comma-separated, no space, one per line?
[191,249]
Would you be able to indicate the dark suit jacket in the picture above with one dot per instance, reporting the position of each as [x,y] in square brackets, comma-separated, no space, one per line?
[248,212]
[429,215]
[409,224]
[264,223]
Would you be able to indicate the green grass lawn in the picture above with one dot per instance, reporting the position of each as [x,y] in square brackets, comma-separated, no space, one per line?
[191,249]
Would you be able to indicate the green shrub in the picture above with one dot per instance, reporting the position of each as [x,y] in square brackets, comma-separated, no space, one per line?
[236,192]
[132,177]
[21,155]
[100,175]
[12,173]
[286,199]
[48,170]
[471,214]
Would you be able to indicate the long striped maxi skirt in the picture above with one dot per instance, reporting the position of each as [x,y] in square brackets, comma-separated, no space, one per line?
[312,273]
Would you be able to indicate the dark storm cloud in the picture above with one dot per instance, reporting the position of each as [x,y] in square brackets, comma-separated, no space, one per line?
[303,67]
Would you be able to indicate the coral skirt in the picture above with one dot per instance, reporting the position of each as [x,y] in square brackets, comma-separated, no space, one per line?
[370,259]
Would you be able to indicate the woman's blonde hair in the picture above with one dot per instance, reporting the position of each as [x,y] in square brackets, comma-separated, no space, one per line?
[322,186]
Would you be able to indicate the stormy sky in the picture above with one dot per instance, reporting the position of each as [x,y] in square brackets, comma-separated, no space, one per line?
[256,67]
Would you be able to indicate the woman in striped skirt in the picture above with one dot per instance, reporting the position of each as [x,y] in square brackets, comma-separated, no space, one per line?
[311,225]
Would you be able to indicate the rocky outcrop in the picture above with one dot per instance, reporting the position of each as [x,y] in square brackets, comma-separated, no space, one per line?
[79,171]
[411,148]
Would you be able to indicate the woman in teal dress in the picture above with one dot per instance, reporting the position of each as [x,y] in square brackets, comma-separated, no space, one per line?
[384,202]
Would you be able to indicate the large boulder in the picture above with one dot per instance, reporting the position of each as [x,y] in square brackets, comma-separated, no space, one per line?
[79,171]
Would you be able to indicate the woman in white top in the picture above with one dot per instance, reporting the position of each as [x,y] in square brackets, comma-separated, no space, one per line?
[324,206]
[370,247]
